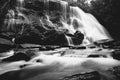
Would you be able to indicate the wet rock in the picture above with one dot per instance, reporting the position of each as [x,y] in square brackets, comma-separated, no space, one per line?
[9,76]
[17,57]
[42,49]
[5,47]
[97,56]
[28,39]
[78,47]
[78,38]
[86,76]
[51,47]
[91,46]
[53,37]
[103,42]
[29,36]
[5,38]
[108,44]
[94,56]
[116,54]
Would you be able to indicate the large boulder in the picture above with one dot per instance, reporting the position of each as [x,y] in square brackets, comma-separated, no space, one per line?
[77,40]
[51,37]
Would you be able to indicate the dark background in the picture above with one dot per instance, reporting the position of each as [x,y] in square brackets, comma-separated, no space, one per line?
[106,11]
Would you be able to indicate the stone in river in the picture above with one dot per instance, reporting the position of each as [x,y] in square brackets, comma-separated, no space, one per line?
[17,57]
[116,54]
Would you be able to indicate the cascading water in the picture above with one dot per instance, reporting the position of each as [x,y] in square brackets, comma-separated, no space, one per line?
[72,18]
[20,3]
[86,23]
[64,8]
[70,42]
[46,3]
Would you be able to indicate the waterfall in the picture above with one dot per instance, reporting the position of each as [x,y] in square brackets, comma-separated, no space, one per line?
[88,25]
[72,18]
[20,3]
[70,42]
[81,21]
[46,5]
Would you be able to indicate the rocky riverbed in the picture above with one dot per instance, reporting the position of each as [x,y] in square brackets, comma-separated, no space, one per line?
[96,61]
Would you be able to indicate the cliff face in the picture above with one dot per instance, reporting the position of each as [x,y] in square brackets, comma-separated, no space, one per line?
[106,11]
[36,22]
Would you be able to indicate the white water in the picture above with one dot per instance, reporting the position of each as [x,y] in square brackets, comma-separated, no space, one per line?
[46,2]
[64,8]
[88,25]
[20,3]
[81,21]
[85,23]
[70,42]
